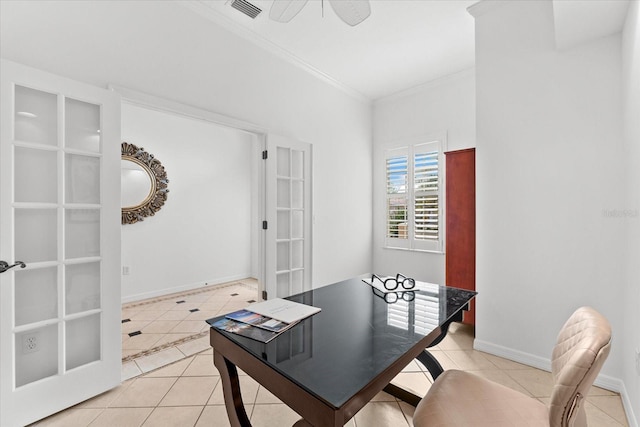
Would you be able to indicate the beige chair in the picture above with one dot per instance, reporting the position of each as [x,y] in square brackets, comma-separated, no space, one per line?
[463,399]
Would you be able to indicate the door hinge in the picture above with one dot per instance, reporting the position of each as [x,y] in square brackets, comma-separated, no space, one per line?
[265,154]
[264,295]
[264,225]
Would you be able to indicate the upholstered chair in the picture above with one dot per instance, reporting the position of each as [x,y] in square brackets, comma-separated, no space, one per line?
[461,399]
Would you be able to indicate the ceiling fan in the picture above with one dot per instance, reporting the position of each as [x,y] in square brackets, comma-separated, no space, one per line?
[351,12]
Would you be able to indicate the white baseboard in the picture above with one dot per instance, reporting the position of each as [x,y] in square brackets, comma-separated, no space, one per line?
[182,288]
[604,381]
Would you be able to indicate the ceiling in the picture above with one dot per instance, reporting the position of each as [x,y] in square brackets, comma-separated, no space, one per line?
[403,44]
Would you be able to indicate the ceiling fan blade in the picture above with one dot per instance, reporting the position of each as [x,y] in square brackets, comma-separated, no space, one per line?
[352,12]
[285,10]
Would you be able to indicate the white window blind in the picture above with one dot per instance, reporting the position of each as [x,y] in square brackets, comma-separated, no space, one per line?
[413,196]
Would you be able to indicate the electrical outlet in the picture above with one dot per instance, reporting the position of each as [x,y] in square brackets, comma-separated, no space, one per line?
[30,343]
[638,361]
[125,270]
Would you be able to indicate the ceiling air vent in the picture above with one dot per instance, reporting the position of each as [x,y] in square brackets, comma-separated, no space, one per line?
[247,8]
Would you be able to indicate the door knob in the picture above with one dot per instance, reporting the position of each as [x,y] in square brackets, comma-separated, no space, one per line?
[4,266]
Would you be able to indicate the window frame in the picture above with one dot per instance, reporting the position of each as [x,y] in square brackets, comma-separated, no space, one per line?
[409,148]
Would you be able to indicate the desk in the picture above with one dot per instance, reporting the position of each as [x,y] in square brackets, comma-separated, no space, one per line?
[333,363]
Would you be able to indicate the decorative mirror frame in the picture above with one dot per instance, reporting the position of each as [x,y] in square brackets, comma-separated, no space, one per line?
[159,182]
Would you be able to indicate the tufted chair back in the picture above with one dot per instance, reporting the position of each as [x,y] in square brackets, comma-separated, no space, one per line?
[582,347]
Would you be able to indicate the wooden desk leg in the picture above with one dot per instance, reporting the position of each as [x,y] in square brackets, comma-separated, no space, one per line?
[231,390]
[430,362]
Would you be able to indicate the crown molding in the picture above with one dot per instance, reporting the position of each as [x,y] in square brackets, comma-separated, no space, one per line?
[203,10]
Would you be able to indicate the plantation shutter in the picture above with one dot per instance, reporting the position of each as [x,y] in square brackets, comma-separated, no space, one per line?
[414,196]
[397,203]
[426,195]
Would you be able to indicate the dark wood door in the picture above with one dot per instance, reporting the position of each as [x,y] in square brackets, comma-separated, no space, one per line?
[460,251]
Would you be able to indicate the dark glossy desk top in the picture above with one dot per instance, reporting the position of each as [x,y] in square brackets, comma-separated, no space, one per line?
[357,335]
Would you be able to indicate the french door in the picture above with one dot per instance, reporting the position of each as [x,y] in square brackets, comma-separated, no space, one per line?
[60,216]
[288,198]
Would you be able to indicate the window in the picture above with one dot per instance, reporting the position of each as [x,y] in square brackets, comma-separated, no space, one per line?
[414,196]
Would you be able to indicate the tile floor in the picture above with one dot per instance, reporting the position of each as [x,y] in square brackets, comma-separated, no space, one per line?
[177,385]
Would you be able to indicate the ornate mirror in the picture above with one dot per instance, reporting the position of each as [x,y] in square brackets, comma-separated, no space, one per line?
[144,184]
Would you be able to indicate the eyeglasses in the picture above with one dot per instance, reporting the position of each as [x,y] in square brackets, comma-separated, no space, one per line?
[392,297]
[392,282]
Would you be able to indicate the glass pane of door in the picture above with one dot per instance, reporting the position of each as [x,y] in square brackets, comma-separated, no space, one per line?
[36,116]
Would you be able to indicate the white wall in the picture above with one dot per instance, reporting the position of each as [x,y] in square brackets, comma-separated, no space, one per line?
[203,232]
[167,50]
[444,105]
[630,336]
[549,166]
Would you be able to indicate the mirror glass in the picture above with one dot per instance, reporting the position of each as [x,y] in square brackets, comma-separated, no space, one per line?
[136,184]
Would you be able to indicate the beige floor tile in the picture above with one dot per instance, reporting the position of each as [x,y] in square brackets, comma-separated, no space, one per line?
[265,396]
[248,390]
[598,391]
[407,411]
[129,352]
[183,416]
[128,312]
[159,359]
[538,383]
[143,392]
[159,327]
[201,315]
[129,370]
[192,326]
[273,415]
[415,382]
[174,315]
[412,367]
[198,298]
[216,416]
[122,417]
[146,315]
[163,306]
[170,338]
[141,342]
[459,337]
[172,370]
[212,307]
[610,405]
[442,358]
[134,325]
[597,418]
[190,391]
[469,360]
[195,346]
[504,364]
[201,366]
[70,418]
[381,414]
[104,400]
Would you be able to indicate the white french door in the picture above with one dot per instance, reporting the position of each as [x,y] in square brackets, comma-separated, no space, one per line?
[60,215]
[288,199]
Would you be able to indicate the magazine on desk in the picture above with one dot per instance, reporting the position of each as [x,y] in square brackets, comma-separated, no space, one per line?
[245,330]
[259,321]
[283,310]
[265,320]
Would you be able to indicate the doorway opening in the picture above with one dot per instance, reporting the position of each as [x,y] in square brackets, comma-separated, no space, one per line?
[201,254]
